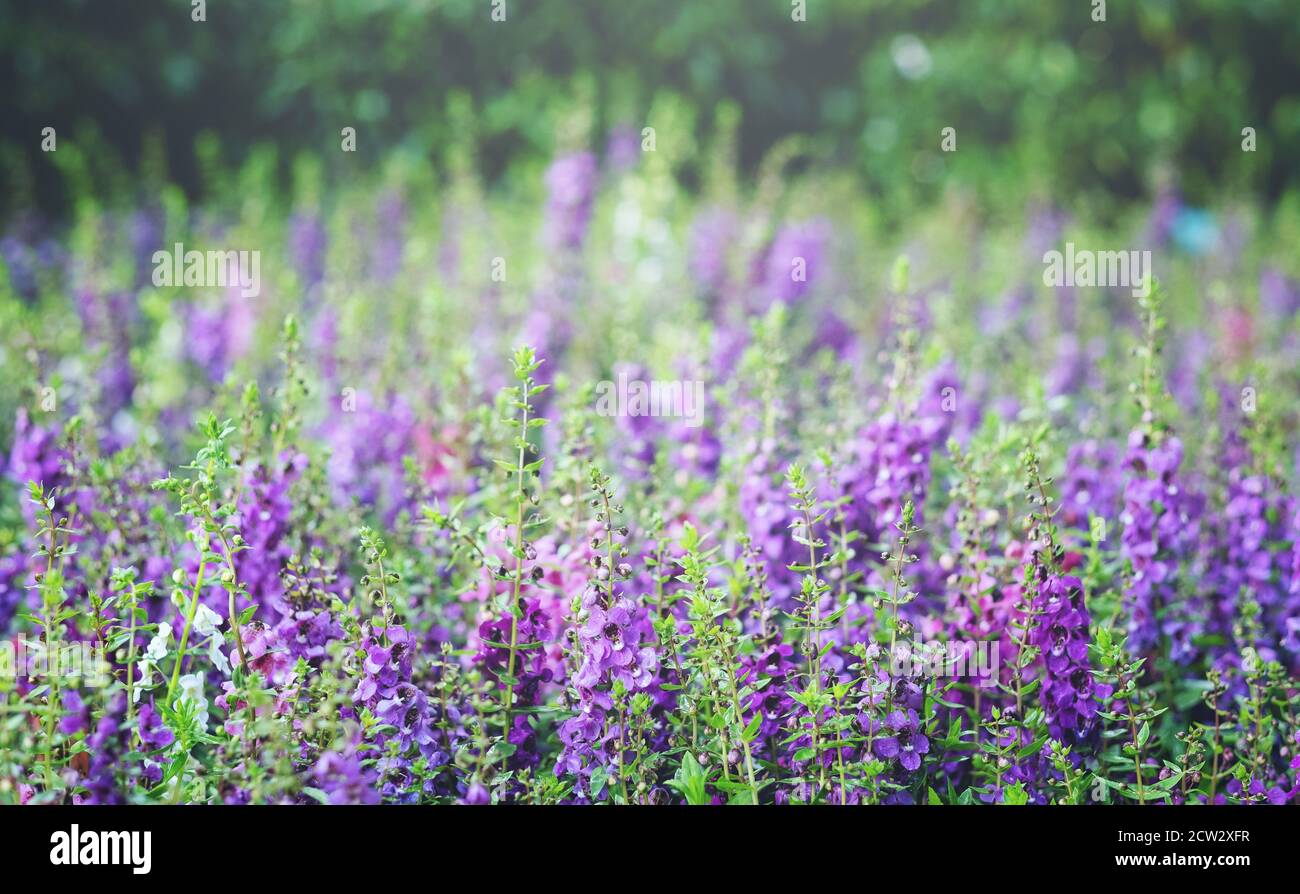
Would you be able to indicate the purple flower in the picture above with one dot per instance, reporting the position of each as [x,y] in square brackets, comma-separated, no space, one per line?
[477,794]
[713,233]
[218,336]
[307,246]
[14,580]
[610,651]
[344,778]
[368,443]
[1156,532]
[570,192]
[389,244]
[1090,485]
[902,739]
[1070,695]
[765,509]
[153,733]
[623,147]
[531,671]
[796,260]
[771,673]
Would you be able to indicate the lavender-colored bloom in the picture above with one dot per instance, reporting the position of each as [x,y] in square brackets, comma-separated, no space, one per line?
[21,266]
[323,339]
[1071,367]
[386,688]
[899,737]
[1295,554]
[146,234]
[153,733]
[386,254]
[610,651]
[712,235]
[263,520]
[1046,227]
[344,778]
[1071,696]
[531,672]
[407,709]
[267,653]
[14,580]
[1279,295]
[1160,223]
[476,795]
[764,506]
[1190,352]
[30,256]
[1156,530]
[570,193]
[368,444]
[76,714]
[623,148]
[947,408]
[771,673]
[887,464]
[796,260]
[217,337]
[307,246]
[1006,312]
[697,450]
[105,745]
[1090,485]
[1240,557]
[36,456]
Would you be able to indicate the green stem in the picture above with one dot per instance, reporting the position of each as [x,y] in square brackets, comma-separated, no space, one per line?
[740,723]
[230,593]
[185,632]
[622,769]
[51,632]
[1137,757]
[814,655]
[130,662]
[519,570]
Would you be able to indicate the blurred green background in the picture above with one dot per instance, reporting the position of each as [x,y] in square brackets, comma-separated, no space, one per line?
[1043,98]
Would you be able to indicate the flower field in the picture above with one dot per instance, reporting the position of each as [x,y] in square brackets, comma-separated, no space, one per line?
[936,533]
[642,474]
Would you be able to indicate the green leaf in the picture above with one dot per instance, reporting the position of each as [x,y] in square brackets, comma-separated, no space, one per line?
[316,793]
[1033,748]
[1015,795]
[690,780]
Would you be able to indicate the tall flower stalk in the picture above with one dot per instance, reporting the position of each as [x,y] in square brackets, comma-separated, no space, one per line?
[525,475]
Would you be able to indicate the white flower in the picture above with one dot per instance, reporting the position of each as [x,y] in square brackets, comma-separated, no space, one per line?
[158,645]
[206,621]
[192,693]
[145,681]
[218,657]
